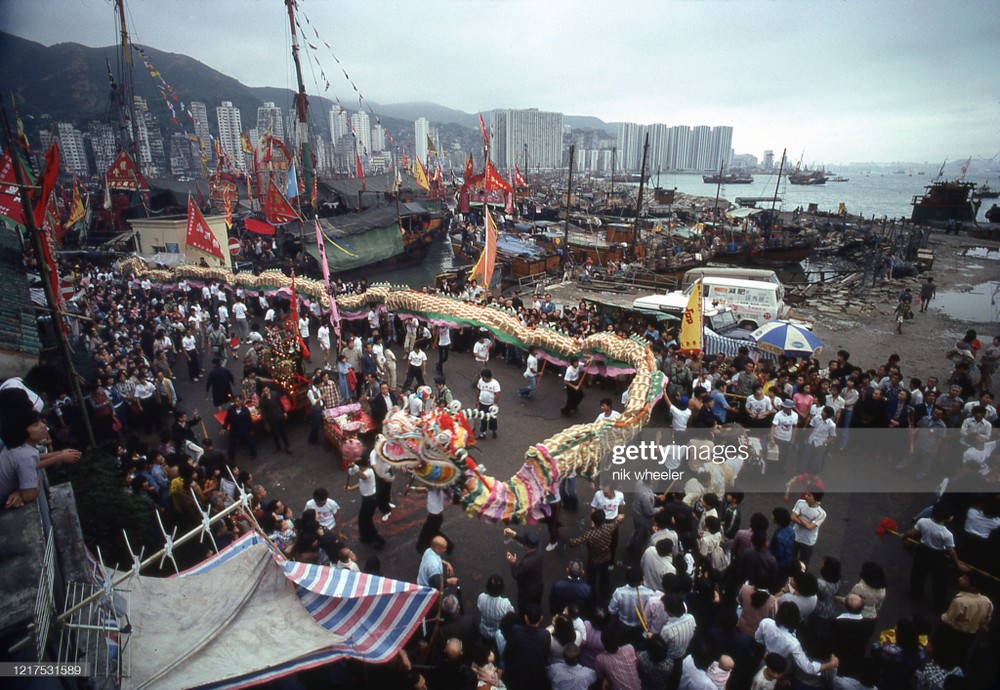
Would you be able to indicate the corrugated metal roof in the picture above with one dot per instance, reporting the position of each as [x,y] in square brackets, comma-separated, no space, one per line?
[18,327]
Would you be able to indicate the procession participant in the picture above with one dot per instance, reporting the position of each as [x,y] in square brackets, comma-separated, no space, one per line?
[489,395]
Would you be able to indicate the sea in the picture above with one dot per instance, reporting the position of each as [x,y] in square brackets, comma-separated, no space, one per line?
[869,194]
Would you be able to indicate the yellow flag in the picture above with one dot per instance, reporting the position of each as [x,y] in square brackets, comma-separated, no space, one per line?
[76,209]
[691,330]
[421,175]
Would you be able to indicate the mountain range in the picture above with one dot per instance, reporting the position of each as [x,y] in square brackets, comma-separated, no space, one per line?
[69,82]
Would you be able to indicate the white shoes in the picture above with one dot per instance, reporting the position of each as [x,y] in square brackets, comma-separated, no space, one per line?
[385,518]
[553,546]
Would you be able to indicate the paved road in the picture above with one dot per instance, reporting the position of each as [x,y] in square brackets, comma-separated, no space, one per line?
[849,533]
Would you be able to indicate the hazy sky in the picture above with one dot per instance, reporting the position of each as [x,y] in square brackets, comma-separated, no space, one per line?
[841,80]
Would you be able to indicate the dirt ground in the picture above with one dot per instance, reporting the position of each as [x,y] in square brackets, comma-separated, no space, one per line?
[871,337]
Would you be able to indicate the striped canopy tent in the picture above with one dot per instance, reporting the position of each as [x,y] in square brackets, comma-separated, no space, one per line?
[248,616]
[785,338]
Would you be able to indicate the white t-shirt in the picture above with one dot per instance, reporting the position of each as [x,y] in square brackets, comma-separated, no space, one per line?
[822,430]
[679,417]
[758,407]
[326,514]
[974,456]
[240,310]
[815,515]
[531,368]
[933,535]
[481,351]
[783,423]
[223,313]
[609,417]
[189,343]
[269,316]
[416,359]
[610,506]
[444,337]
[323,335]
[573,374]
[488,391]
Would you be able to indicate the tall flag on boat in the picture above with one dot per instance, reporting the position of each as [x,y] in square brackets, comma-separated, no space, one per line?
[334,312]
[518,178]
[277,210]
[76,208]
[439,173]
[227,204]
[49,176]
[483,270]
[291,186]
[691,328]
[494,180]
[482,129]
[420,175]
[470,168]
[965,169]
[430,145]
[358,169]
[199,197]
[294,316]
[199,235]
[124,176]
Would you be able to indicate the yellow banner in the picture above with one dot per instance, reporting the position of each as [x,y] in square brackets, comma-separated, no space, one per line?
[420,175]
[691,330]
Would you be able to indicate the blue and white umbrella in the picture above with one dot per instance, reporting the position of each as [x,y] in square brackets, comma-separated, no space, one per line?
[783,338]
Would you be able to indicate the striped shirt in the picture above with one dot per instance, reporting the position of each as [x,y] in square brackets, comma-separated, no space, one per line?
[677,633]
[625,601]
[619,669]
[331,396]
[491,610]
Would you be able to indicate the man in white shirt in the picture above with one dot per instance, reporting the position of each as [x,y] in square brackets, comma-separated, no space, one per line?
[366,514]
[223,314]
[326,511]
[481,350]
[776,635]
[530,373]
[323,336]
[607,414]
[444,346]
[783,426]
[240,315]
[189,344]
[410,329]
[489,395]
[416,362]
[824,431]
[807,517]
[679,416]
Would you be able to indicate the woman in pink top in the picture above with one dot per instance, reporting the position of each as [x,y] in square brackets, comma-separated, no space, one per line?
[803,400]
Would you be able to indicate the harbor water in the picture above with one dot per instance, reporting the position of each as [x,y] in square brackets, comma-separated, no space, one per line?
[866,194]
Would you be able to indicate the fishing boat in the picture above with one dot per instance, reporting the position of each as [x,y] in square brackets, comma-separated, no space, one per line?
[807,177]
[731,177]
[518,256]
[944,201]
[984,191]
[838,178]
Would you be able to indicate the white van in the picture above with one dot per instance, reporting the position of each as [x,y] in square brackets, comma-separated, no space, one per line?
[753,302]
[763,275]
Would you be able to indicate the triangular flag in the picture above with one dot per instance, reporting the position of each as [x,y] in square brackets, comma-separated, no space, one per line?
[358,170]
[483,270]
[277,210]
[199,235]
[420,175]
[76,209]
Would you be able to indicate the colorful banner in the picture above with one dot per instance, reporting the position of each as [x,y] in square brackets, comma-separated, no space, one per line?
[420,175]
[691,327]
[10,198]
[123,175]
[483,270]
[277,210]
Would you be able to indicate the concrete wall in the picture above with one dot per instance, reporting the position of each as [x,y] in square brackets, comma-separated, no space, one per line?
[154,234]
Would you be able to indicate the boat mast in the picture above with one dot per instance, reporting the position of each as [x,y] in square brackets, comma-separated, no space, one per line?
[301,104]
[127,86]
[638,203]
[718,189]
[569,195]
[774,199]
[614,156]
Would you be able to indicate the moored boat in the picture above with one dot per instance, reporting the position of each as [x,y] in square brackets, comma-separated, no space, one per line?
[944,201]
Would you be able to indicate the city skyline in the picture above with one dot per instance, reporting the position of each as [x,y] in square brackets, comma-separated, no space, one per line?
[841,82]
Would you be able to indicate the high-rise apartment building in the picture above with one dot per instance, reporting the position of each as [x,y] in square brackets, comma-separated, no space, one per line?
[541,132]
[768,159]
[361,125]
[269,119]
[103,146]
[421,131]
[339,126]
[72,151]
[230,126]
[199,114]
[378,139]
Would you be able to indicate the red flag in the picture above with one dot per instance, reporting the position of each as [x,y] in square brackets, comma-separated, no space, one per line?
[259,227]
[358,170]
[277,210]
[48,183]
[123,176]
[482,128]
[494,180]
[470,169]
[518,179]
[406,163]
[199,235]
[10,198]
[198,196]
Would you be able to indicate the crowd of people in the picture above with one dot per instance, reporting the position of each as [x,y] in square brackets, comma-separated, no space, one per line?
[709,598]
